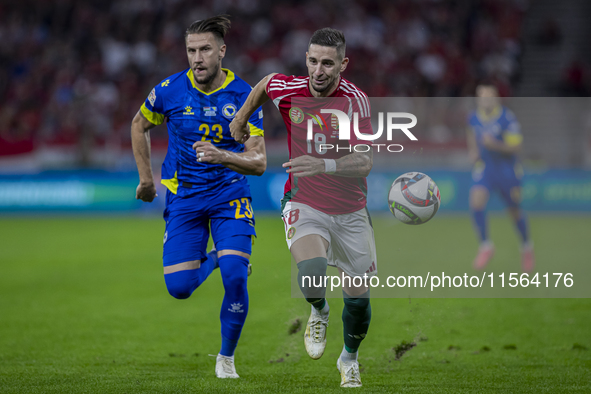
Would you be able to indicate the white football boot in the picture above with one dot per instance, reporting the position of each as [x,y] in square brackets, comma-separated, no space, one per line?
[350,375]
[224,367]
[315,335]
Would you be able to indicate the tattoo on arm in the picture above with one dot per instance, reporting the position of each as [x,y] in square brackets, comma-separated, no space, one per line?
[356,164]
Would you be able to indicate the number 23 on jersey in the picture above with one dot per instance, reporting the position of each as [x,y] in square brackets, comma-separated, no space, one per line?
[216,129]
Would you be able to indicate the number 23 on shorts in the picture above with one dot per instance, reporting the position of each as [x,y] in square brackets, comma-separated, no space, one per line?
[240,211]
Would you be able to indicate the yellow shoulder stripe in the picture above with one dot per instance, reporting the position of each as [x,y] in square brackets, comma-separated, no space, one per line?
[171,184]
[153,117]
[512,139]
[255,130]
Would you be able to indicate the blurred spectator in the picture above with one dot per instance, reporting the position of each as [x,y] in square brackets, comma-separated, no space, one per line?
[75,72]
[550,33]
[576,79]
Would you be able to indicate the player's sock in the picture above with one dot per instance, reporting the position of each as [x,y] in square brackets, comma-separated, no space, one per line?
[234,270]
[480,224]
[356,319]
[311,274]
[183,283]
[213,255]
[228,346]
[318,303]
[347,355]
[521,225]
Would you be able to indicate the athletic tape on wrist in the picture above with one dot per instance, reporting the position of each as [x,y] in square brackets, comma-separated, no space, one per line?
[330,166]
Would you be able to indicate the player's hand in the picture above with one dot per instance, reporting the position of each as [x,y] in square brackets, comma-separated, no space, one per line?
[146,192]
[206,152]
[240,131]
[489,142]
[304,166]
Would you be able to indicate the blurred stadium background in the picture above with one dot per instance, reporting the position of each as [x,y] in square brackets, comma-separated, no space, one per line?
[74,73]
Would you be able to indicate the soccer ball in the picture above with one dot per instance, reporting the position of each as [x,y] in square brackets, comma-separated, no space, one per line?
[414,198]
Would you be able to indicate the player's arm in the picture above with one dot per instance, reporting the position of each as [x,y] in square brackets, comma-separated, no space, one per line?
[511,137]
[253,161]
[140,142]
[473,152]
[257,97]
[510,145]
[356,165]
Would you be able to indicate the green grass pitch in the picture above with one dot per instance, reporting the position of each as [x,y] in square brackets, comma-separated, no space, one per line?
[84,309]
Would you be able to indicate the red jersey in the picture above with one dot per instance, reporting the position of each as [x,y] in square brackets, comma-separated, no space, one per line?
[330,194]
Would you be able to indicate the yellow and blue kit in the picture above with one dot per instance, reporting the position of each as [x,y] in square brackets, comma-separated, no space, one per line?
[201,196]
[199,191]
[496,170]
[193,115]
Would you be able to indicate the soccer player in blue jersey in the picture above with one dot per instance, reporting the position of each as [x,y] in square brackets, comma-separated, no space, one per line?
[494,140]
[204,172]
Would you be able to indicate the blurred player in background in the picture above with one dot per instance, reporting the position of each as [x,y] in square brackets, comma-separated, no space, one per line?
[494,140]
[324,207]
[204,173]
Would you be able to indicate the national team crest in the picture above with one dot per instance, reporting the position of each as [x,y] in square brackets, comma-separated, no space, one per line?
[291,232]
[334,122]
[296,115]
[229,110]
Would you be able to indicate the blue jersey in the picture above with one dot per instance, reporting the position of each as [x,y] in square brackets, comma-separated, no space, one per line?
[193,115]
[501,125]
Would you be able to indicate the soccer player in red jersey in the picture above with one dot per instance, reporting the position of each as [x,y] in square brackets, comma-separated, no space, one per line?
[324,207]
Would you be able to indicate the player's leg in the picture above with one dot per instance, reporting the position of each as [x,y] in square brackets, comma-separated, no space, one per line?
[479,195]
[512,196]
[213,255]
[186,265]
[356,319]
[307,237]
[232,228]
[234,255]
[308,240]
[354,252]
[309,253]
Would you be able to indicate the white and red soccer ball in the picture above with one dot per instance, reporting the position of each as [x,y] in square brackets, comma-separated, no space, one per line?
[414,198]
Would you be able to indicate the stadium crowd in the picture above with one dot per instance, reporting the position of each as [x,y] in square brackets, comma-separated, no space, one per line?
[75,72]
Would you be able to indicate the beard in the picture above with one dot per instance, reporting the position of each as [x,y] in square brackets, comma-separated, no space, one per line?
[207,79]
[329,85]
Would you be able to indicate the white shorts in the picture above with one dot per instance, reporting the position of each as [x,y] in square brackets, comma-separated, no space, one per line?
[351,244]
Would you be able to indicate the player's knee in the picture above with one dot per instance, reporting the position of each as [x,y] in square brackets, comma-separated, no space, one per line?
[311,275]
[234,270]
[178,286]
[477,204]
[478,198]
[179,292]
[235,280]
[515,194]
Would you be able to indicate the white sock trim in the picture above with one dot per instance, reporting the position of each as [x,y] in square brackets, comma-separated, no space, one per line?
[346,356]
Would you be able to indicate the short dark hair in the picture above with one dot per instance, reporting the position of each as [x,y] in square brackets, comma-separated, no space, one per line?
[329,37]
[218,25]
